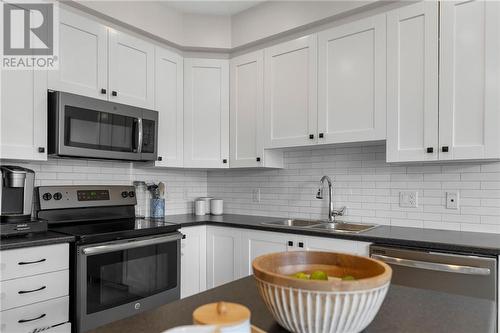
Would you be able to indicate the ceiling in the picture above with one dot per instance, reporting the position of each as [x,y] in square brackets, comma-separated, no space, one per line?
[209,7]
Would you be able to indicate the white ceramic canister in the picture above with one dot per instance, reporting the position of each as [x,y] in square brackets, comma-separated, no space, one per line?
[217,206]
[200,207]
[207,203]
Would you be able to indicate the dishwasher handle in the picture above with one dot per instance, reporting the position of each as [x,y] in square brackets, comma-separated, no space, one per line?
[434,266]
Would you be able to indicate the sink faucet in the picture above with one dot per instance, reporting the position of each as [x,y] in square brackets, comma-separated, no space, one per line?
[331,212]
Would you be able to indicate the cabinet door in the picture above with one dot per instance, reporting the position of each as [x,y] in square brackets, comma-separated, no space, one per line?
[83,57]
[23,115]
[290,95]
[336,245]
[352,85]
[131,70]
[257,243]
[206,113]
[169,104]
[469,115]
[193,261]
[223,255]
[246,111]
[412,82]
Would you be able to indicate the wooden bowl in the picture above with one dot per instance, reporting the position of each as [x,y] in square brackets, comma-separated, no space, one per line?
[322,306]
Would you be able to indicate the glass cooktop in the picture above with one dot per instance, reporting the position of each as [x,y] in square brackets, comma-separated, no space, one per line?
[97,231]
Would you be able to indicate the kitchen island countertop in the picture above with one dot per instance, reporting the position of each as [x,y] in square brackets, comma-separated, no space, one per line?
[415,317]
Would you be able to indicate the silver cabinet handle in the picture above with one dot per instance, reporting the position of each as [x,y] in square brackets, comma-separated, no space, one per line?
[130,244]
[433,266]
[141,136]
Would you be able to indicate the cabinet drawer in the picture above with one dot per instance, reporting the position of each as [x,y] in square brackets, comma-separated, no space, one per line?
[35,316]
[64,328]
[33,260]
[33,289]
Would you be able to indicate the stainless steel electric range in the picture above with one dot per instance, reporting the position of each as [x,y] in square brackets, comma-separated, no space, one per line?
[120,265]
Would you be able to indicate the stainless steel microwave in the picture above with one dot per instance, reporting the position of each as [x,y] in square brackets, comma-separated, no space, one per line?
[80,126]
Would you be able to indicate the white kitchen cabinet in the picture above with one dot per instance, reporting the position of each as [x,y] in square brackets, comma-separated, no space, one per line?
[257,243]
[206,113]
[169,72]
[290,93]
[469,109]
[131,70]
[193,260]
[247,114]
[83,57]
[23,115]
[312,243]
[223,255]
[352,82]
[412,83]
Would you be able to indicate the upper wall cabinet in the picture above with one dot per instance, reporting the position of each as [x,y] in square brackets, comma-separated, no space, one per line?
[469,114]
[117,67]
[352,82]
[83,57]
[206,113]
[246,114]
[461,119]
[412,83]
[290,93]
[23,114]
[131,70]
[169,104]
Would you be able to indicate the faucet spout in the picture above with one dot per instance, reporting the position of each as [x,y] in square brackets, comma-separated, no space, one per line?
[331,212]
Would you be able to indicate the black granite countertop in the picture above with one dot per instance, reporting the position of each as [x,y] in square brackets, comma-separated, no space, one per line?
[445,240]
[412,317]
[36,239]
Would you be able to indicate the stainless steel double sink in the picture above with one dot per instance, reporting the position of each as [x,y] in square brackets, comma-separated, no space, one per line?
[320,225]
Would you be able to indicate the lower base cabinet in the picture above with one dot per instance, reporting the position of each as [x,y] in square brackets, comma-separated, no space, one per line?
[212,255]
[223,255]
[231,251]
[193,260]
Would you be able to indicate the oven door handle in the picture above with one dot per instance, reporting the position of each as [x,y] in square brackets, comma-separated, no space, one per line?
[92,250]
[433,266]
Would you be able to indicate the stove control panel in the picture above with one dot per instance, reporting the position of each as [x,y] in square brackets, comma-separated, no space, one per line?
[73,196]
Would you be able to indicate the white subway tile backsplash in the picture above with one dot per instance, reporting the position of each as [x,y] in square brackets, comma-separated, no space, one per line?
[91,172]
[369,187]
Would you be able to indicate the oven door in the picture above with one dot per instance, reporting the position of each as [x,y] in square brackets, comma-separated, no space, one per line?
[80,126]
[122,278]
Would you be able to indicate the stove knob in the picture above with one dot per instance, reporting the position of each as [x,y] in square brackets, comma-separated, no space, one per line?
[124,194]
[57,196]
[47,196]
[131,194]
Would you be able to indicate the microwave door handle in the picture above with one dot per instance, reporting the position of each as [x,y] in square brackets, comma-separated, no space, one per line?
[434,266]
[141,135]
[92,250]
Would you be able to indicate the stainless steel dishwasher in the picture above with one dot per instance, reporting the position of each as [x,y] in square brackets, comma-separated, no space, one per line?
[438,292]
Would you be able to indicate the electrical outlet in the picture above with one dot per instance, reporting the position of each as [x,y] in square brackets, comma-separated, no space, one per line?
[256,195]
[185,194]
[408,199]
[451,200]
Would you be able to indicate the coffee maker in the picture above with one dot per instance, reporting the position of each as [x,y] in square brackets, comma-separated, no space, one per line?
[16,199]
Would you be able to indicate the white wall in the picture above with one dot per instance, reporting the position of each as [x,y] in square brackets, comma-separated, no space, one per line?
[150,16]
[209,31]
[167,23]
[275,17]
[182,186]
[369,187]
